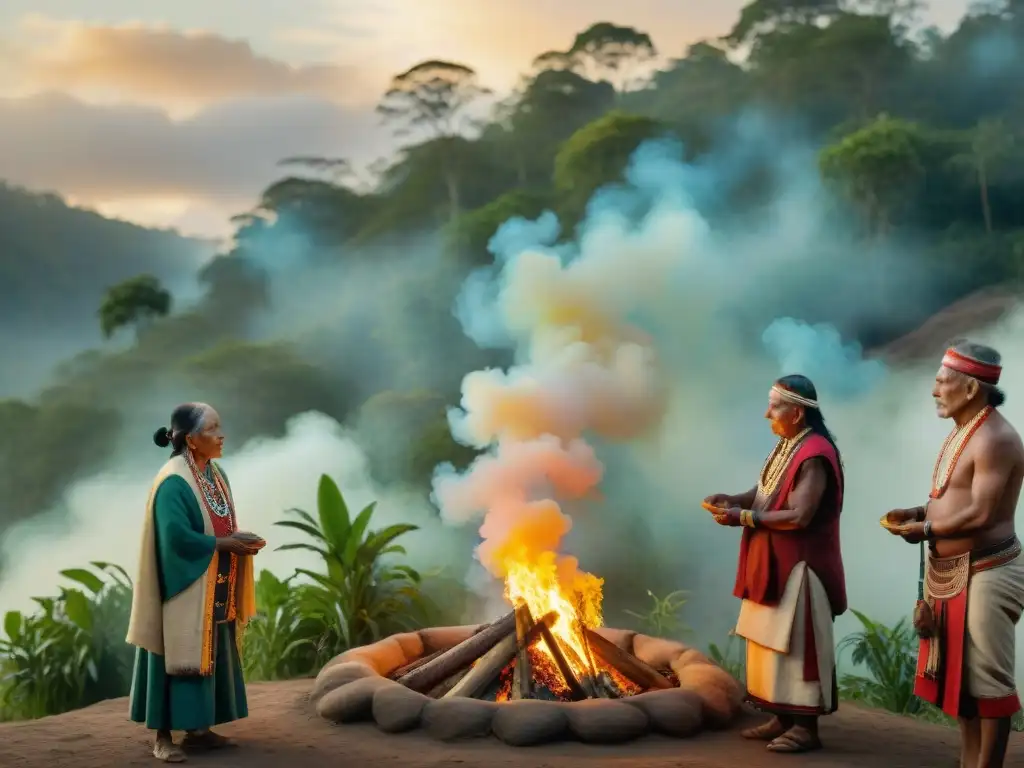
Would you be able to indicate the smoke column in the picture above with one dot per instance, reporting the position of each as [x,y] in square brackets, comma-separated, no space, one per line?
[702,308]
[638,368]
[584,369]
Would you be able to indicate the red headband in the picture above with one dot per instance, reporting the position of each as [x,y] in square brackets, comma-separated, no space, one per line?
[985,372]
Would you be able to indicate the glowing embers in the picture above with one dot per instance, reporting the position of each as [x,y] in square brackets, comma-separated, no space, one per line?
[520,657]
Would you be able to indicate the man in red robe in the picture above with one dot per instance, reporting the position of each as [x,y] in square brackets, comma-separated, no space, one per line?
[790,576]
[973,592]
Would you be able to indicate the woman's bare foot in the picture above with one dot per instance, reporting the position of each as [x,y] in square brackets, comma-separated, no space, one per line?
[205,740]
[167,751]
[766,731]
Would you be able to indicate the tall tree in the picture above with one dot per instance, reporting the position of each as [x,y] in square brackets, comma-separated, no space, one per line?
[760,17]
[545,111]
[989,145]
[434,97]
[695,92]
[878,167]
[615,53]
[596,155]
[134,302]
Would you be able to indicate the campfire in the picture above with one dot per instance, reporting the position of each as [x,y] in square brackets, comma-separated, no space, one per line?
[547,669]
[534,676]
[519,656]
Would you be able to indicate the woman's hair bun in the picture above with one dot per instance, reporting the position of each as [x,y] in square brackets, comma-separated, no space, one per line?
[162,437]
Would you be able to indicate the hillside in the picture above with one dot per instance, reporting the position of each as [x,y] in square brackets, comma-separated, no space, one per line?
[970,314]
[56,261]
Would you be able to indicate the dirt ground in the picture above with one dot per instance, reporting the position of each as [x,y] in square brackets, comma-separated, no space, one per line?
[281,732]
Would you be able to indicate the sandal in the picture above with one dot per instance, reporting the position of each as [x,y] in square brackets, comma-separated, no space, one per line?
[206,740]
[795,741]
[768,731]
[169,752]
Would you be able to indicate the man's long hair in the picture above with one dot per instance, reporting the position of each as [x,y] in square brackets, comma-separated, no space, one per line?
[813,417]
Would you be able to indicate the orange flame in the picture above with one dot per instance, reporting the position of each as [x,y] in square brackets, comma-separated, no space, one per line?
[573,594]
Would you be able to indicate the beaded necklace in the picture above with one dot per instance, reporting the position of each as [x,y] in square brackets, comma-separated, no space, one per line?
[214,497]
[777,462]
[953,446]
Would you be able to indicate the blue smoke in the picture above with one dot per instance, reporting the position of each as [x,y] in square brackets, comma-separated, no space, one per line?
[518,234]
[993,54]
[818,352]
[724,268]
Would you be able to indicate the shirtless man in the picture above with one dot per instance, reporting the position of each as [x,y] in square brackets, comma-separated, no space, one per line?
[974,583]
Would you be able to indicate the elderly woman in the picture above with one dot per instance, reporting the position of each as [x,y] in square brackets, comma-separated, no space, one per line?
[194,592]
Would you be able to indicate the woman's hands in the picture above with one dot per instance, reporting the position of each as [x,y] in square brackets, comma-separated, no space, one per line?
[722,509]
[240,543]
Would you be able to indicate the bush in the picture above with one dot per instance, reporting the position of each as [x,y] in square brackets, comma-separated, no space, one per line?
[71,653]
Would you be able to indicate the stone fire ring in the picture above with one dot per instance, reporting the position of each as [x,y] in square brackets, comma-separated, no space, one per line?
[353,687]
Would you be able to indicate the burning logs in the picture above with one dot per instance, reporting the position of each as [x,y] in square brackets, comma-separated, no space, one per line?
[628,665]
[462,655]
[522,676]
[576,690]
[501,652]
[349,689]
[401,672]
[495,660]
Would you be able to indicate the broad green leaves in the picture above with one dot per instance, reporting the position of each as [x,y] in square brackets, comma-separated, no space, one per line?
[360,594]
[71,652]
[889,654]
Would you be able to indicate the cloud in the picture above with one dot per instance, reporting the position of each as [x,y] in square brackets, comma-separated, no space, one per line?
[224,155]
[159,64]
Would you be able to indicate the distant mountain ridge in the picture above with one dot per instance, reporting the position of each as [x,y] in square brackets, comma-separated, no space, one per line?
[56,262]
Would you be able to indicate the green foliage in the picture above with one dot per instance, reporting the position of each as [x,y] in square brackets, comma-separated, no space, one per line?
[730,657]
[433,94]
[272,376]
[363,592]
[135,301]
[279,643]
[662,618]
[43,447]
[596,155]
[879,167]
[57,261]
[889,654]
[612,52]
[70,653]
[406,435]
[477,227]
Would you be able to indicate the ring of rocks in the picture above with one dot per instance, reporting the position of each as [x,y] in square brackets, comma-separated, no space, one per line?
[354,688]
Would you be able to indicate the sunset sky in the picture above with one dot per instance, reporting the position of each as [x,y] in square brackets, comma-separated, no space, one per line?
[175,113]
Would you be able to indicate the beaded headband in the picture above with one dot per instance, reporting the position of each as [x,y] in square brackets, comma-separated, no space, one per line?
[792,397]
[961,363]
